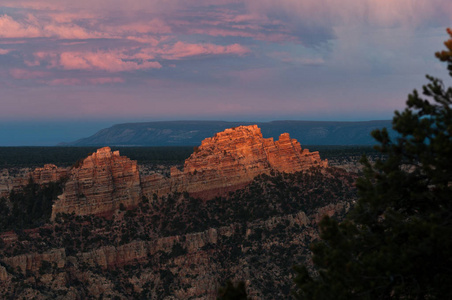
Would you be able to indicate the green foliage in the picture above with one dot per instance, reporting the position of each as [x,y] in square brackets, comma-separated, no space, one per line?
[446,55]
[395,243]
[232,292]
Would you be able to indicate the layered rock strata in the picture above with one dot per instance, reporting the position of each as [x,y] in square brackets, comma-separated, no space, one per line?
[100,184]
[230,160]
[226,162]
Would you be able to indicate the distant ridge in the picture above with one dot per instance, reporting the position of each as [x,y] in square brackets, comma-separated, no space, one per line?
[185,133]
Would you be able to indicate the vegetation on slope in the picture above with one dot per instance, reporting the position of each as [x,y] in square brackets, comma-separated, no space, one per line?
[177,214]
[258,232]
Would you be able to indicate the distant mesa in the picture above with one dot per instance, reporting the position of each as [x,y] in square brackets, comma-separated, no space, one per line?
[182,133]
[225,162]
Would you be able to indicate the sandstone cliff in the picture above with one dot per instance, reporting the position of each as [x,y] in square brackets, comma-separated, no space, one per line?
[102,182]
[226,162]
[230,160]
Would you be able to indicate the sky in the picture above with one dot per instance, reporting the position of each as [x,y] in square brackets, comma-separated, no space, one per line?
[69,68]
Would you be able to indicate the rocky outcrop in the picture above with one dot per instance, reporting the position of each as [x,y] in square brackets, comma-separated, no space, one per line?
[230,160]
[49,173]
[223,163]
[102,182]
[20,178]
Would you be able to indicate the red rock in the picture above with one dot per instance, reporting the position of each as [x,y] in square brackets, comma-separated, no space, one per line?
[230,160]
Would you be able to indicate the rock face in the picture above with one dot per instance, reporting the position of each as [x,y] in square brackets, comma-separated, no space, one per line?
[230,160]
[100,184]
[223,163]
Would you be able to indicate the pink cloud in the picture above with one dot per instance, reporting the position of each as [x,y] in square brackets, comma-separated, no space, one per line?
[143,56]
[49,58]
[113,61]
[13,42]
[155,26]
[32,27]
[153,41]
[9,28]
[105,80]
[110,61]
[182,50]
[70,31]
[65,81]
[26,74]
[128,60]
[70,81]
[69,17]
[4,51]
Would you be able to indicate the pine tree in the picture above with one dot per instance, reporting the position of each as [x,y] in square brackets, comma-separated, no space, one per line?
[396,243]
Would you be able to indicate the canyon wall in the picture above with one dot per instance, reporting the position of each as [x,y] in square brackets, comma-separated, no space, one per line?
[241,251]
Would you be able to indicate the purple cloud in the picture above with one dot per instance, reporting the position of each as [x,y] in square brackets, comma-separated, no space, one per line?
[219,58]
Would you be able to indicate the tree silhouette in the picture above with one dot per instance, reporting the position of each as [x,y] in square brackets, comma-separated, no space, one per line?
[397,241]
[232,292]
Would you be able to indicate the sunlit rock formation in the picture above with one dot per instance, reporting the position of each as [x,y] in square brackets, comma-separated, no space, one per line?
[223,163]
[102,182]
[230,160]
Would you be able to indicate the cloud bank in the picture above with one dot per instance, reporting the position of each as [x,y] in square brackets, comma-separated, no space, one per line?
[290,57]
